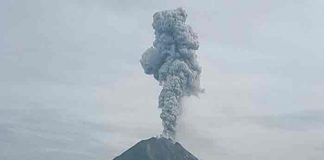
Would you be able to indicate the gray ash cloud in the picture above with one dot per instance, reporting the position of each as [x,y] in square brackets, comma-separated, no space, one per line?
[173,62]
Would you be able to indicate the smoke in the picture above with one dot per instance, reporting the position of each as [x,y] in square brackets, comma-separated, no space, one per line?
[173,62]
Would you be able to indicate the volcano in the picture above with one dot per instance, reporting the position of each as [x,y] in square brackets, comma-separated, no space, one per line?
[156,149]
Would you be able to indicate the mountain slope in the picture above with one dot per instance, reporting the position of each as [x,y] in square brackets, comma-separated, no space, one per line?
[156,149]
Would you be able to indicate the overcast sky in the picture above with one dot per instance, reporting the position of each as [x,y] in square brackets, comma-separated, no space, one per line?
[71,86]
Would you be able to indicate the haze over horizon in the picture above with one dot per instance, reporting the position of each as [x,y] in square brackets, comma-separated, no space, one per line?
[70,79]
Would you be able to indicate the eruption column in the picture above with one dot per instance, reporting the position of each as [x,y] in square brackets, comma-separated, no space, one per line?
[173,62]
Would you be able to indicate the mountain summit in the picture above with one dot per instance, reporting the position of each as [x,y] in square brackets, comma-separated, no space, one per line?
[156,149]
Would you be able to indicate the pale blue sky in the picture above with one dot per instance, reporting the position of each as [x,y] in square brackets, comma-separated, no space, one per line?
[72,86]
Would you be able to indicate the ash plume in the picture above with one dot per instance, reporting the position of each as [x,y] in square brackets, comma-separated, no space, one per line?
[173,62]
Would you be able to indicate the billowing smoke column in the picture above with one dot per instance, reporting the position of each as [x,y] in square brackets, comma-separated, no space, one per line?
[173,62]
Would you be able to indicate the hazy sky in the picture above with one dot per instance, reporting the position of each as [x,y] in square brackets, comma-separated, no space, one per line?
[71,86]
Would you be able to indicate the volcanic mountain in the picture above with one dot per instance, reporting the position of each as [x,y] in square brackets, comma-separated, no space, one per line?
[156,149]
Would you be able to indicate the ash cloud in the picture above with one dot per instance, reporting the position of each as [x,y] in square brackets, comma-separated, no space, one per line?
[173,62]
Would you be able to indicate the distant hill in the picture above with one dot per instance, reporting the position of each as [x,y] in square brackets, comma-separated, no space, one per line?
[156,149]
